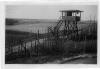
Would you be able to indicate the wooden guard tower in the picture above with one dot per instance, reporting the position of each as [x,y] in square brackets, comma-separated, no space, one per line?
[69,18]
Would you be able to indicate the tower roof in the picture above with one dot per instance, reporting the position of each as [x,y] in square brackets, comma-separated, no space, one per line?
[71,11]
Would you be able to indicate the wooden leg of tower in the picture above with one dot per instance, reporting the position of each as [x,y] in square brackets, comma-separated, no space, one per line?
[66,29]
[76,27]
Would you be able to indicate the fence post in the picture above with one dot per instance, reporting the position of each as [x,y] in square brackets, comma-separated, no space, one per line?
[48,39]
[18,50]
[38,43]
[25,48]
[38,36]
[11,50]
[84,44]
[35,47]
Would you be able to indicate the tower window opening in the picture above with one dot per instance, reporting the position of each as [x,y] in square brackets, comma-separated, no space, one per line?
[69,13]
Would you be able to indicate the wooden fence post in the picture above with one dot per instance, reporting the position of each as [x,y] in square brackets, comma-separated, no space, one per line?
[35,46]
[18,53]
[11,50]
[84,44]
[38,43]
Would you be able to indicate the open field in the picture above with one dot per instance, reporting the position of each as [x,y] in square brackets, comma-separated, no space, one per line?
[32,26]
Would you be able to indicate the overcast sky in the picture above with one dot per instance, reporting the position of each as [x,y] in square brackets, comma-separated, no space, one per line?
[48,11]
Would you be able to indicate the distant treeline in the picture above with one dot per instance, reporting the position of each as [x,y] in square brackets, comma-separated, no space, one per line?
[11,21]
[14,21]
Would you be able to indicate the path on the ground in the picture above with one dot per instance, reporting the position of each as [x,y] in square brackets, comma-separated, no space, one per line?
[80,59]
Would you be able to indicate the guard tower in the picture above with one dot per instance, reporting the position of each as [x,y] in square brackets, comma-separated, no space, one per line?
[71,15]
[69,19]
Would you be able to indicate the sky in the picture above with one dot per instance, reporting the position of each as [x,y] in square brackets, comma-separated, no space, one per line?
[49,11]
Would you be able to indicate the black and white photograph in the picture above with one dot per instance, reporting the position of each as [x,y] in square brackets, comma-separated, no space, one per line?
[51,34]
